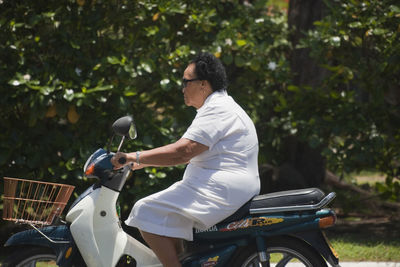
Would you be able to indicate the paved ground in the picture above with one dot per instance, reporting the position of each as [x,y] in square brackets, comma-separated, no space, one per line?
[356,264]
[370,264]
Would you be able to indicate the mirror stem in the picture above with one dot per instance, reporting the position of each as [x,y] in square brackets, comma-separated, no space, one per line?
[109,144]
[120,144]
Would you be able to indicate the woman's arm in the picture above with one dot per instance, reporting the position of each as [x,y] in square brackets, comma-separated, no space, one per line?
[177,153]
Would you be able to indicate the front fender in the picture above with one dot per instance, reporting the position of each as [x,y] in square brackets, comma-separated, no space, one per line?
[59,239]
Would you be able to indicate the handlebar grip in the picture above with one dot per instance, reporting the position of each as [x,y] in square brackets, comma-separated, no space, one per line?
[122,160]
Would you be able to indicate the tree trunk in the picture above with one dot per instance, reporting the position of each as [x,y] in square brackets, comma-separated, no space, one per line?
[301,18]
[303,166]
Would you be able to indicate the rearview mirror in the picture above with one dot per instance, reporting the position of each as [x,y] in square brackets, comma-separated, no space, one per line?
[125,126]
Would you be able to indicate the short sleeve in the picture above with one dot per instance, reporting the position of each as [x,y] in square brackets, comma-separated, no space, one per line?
[204,129]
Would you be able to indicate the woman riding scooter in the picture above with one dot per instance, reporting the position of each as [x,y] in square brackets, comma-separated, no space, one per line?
[221,148]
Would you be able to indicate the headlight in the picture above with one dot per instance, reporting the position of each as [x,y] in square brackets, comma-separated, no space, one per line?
[87,163]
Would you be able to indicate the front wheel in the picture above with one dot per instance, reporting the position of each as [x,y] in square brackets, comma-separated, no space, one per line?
[31,256]
[283,251]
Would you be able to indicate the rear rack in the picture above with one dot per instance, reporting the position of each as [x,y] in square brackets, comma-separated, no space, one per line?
[323,203]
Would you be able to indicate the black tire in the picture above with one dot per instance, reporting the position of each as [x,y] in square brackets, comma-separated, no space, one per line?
[289,249]
[29,256]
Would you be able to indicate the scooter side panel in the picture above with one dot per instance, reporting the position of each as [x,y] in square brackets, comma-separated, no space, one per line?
[96,229]
[216,257]
[112,241]
[81,219]
[268,224]
[143,255]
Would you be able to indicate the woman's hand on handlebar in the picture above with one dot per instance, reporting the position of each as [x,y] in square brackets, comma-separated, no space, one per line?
[121,159]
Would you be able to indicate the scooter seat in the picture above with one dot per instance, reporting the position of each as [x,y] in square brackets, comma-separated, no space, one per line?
[308,196]
[301,197]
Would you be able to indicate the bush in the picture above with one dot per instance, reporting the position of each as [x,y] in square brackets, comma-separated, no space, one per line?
[70,68]
[354,113]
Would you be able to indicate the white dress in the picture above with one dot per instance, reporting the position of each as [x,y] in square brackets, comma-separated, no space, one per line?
[215,183]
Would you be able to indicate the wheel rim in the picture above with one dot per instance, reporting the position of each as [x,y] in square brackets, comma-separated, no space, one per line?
[42,260]
[280,257]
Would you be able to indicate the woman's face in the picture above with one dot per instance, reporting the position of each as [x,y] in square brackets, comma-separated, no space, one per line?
[192,93]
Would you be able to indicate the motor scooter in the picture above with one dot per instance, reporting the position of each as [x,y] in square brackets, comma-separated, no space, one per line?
[276,229]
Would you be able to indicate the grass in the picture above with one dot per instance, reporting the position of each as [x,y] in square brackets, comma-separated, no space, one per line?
[355,248]
[368,178]
[364,232]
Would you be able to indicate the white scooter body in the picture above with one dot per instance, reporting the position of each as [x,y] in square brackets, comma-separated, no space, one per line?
[98,234]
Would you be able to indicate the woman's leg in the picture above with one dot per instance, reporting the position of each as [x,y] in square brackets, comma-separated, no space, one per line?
[166,248]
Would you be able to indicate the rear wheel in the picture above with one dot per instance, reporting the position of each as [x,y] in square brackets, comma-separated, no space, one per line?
[31,257]
[283,251]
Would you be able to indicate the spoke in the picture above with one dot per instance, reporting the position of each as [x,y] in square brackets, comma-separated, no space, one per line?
[286,258]
[283,255]
[255,263]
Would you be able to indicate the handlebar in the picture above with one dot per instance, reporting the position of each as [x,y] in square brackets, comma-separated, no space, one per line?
[122,160]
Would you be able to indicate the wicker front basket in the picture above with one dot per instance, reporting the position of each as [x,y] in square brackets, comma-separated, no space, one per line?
[34,202]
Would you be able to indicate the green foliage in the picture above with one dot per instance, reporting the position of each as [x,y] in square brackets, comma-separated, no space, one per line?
[354,114]
[69,68]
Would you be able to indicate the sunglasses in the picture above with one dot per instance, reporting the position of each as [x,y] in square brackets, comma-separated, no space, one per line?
[185,81]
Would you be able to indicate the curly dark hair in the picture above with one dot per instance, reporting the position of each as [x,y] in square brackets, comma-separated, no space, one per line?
[210,68]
